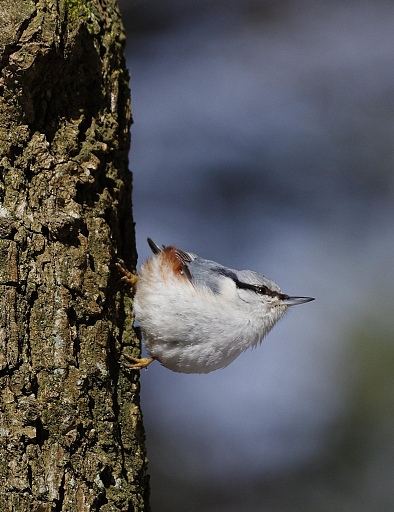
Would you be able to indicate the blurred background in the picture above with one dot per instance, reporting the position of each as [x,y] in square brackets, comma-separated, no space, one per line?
[264,139]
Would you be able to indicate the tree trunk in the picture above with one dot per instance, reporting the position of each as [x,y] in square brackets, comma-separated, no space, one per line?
[71,434]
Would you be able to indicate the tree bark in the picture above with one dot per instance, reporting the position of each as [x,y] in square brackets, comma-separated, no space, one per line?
[71,433]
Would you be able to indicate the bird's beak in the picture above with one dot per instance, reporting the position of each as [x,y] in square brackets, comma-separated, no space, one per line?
[293,301]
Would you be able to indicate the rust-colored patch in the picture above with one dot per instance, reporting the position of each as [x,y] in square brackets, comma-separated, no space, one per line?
[177,260]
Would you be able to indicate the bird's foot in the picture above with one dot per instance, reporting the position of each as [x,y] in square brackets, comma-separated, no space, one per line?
[138,363]
[128,277]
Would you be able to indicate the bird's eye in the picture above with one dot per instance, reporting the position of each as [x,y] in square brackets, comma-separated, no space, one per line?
[262,290]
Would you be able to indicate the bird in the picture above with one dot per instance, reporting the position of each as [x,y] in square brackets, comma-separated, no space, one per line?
[196,315]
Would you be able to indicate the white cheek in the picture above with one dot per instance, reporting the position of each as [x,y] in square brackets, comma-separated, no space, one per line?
[227,290]
[253,299]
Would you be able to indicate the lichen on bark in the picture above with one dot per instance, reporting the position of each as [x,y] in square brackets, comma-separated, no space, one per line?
[71,434]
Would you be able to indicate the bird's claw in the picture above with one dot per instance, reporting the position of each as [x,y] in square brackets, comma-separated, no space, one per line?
[138,363]
[128,277]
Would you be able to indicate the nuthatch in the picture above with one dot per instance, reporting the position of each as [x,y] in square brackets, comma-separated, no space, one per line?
[196,315]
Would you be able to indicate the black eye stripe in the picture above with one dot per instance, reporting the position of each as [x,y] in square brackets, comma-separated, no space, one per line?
[260,289]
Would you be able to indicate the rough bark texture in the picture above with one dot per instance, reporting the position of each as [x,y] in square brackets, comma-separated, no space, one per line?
[71,435]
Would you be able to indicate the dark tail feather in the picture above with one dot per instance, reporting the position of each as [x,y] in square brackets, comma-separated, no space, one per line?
[155,248]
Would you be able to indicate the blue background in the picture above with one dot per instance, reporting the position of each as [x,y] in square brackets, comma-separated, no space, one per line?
[264,139]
